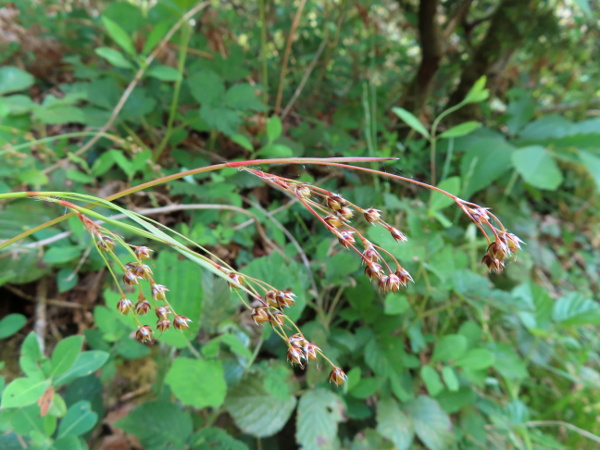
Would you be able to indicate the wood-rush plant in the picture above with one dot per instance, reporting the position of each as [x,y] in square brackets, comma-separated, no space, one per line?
[266,303]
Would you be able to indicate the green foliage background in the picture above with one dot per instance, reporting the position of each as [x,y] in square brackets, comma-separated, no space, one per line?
[492,100]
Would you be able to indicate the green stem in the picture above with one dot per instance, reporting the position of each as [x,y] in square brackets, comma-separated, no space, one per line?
[263,49]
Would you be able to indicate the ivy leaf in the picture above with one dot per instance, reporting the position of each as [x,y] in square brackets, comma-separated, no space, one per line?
[183,379]
[432,424]
[319,413]
[393,424]
[255,410]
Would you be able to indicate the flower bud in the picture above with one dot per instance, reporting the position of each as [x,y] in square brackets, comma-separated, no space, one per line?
[159,292]
[335,202]
[162,312]
[295,356]
[181,322]
[397,234]
[105,243]
[337,376]
[333,221]
[302,191]
[142,307]
[346,239]
[346,213]
[130,278]
[260,315]
[143,252]
[124,306]
[372,215]
[163,324]
[144,334]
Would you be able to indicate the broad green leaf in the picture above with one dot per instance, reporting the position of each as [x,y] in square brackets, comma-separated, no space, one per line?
[243,96]
[164,73]
[508,362]
[393,424]
[319,413]
[196,382]
[274,129]
[58,255]
[537,167]
[59,114]
[242,141]
[85,364]
[449,376]
[432,380]
[366,387]
[574,309]
[206,87]
[65,354]
[592,164]
[13,79]
[275,151]
[461,130]
[255,410]
[432,424]
[119,35]
[31,359]
[157,33]
[23,391]
[411,120]
[215,438]
[115,57]
[158,425]
[33,177]
[450,347]
[27,421]
[477,93]
[476,359]
[69,442]
[440,201]
[79,419]
[10,324]
[396,304]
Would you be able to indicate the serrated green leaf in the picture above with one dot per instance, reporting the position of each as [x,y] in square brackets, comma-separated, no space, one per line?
[460,130]
[65,354]
[164,73]
[23,391]
[432,380]
[10,324]
[432,424]
[449,376]
[255,410]
[158,425]
[476,359]
[319,413]
[450,347]
[85,364]
[79,419]
[396,304]
[115,57]
[537,167]
[216,439]
[119,35]
[196,382]
[13,79]
[393,424]
[411,120]
[243,96]
[574,309]
[206,87]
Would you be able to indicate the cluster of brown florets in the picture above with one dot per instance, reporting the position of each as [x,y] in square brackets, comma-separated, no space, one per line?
[269,304]
[134,273]
[336,214]
[504,245]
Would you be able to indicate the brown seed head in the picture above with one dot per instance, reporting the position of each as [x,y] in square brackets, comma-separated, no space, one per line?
[285,299]
[295,356]
[333,221]
[337,376]
[142,271]
[142,307]
[397,234]
[159,292]
[373,270]
[393,283]
[143,252]
[163,324]
[335,202]
[372,215]
[370,254]
[181,322]
[105,243]
[144,334]
[346,213]
[124,306]
[403,275]
[479,215]
[310,350]
[271,298]
[276,318]
[297,340]
[492,263]
[260,315]
[302,191]
[346,239]
[383,283]
[162,312]
[513,242]
[497,250]
[130,278]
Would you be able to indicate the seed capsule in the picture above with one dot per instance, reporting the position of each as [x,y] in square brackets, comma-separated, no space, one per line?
[276,318]
[143,252]
[236,278]
[335,202]
[295,356]
[162,312]
[105,243]
[159,292]
[372,215]
[144,334]
[346,239]
[310,350]
[285,299]
[181,322]
[142,307]
[130,278]
[260,315]
[346,213]
[163,324]
[302,191]
[124,306]
[397,234]
[403,275]
[373,270]
[297,340]
[337,376]
[333,221]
